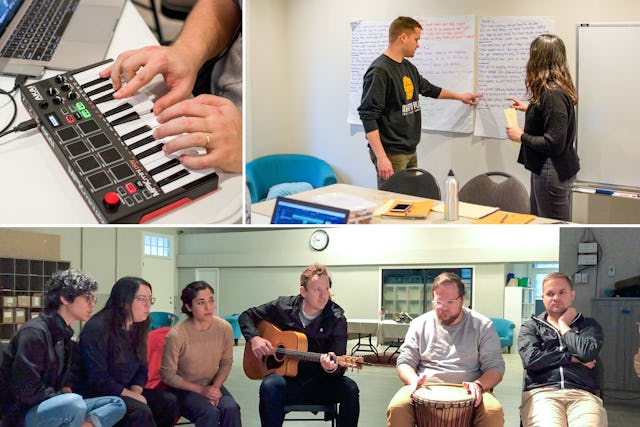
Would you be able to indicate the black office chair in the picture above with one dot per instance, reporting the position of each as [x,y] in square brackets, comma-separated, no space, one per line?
[506,193]
[151,6]
[413,181]
[330,412]
[176,9]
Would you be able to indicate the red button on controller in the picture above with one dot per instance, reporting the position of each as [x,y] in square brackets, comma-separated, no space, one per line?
[111,200]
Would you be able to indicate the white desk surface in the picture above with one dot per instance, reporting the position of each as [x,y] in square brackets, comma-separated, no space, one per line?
[261,212]
[35,189]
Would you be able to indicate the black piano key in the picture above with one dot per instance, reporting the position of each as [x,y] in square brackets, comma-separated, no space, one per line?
[150,151]
[174,177]
[118,109]
[94,82]
[100,89]
[125,119]
[136,132]
[163,167]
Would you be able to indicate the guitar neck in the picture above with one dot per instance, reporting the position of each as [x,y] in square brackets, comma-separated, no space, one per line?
[299,355]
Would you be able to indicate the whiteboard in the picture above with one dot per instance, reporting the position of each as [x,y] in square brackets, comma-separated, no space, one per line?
[608,65]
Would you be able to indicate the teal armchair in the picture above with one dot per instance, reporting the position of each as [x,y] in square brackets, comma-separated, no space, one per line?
[504,328]
[265,172]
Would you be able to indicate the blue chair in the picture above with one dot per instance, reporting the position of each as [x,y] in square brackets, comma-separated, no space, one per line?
[233,319]
[504,328]
[265,172]
[162,318]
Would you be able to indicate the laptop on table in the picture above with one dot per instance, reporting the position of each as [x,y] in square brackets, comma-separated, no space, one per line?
[55,34]
[292,211]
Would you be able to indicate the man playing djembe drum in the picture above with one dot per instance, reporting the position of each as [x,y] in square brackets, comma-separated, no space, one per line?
[559,349]
[450,344]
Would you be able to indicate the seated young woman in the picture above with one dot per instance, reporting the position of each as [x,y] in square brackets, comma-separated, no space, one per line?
[113,356]
[197,359]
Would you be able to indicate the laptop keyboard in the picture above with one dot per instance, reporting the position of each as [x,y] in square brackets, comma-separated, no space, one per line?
[38,34]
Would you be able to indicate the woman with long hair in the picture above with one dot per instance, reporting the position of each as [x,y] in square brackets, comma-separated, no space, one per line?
[548,138]
[197,359]
[113,355]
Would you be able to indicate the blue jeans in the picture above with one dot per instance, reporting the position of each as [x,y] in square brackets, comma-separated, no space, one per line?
[202,413]
[276,391]
[549,194]
[70,409]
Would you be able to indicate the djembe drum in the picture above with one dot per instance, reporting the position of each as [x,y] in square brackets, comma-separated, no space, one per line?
[443,405]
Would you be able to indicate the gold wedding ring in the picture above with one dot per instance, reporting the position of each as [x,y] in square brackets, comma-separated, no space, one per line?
[206,145]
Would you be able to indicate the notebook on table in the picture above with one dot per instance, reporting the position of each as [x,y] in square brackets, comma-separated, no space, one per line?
[292,211]
[55,34]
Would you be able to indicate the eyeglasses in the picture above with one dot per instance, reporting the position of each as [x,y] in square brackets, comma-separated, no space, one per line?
[91,298]
[448,302]
[145,300]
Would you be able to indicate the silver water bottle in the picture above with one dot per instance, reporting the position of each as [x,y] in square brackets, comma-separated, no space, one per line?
[451,197]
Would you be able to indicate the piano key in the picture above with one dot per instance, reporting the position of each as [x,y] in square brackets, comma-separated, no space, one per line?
[95,92]
[90,74]
[146,122]
[147,150]
[192,176]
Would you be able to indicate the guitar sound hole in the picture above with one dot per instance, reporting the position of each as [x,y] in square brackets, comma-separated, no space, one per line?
[276,360]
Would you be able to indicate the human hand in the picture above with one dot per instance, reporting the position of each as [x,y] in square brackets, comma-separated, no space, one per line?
[209,122]
[385,169]
[66,390]
[140,66]
[517,104]
[470,98]
[591,364]
[212,394]
[329,361]
[261,347]
[417,382]
[475,390]
[568,316]
[514,133]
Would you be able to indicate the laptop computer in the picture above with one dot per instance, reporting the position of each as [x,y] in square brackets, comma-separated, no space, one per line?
[291,211]
[56,34]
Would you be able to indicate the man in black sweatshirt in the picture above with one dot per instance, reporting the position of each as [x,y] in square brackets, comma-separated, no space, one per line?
[390,107]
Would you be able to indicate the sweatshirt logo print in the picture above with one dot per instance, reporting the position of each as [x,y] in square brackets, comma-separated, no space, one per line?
[411,106]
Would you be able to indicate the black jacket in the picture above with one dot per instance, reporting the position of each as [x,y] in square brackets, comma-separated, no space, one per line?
[36,364]
[327,332]
[546,355]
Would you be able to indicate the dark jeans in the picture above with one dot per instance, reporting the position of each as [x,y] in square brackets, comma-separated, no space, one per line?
[202,413]
[549,194]
[276,391]
[161,410]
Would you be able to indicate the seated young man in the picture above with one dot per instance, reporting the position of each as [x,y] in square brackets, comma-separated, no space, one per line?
[35,370]
[450,344]
[314,314]
[559,349]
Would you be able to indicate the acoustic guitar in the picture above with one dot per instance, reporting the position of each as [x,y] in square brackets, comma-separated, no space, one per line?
[289,348]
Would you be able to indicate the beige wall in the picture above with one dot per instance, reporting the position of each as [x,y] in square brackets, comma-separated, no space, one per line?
[259,266]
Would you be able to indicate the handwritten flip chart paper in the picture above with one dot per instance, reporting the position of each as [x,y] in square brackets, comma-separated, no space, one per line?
[503,52]
[445,58]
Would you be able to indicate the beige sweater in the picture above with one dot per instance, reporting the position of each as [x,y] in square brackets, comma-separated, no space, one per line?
[196,356]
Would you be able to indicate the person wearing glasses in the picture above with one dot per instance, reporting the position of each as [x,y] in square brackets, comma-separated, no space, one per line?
[314,314]
[450,344]
[113,356]
[35,383]
[197,359]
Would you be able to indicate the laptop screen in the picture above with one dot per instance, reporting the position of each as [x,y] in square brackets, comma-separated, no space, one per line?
[8,9]
[291,211]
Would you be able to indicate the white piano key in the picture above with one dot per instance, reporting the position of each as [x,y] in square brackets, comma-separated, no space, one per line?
[90,74]
[194,175]
[146,120]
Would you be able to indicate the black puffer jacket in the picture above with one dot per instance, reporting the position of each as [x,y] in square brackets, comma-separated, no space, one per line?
[546,355]
[327,332]
[35,366]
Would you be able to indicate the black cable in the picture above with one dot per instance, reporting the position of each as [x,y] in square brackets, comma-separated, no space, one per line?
[19,81]
[24,126]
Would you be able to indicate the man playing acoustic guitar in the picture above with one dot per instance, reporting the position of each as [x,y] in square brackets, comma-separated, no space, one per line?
[311,314]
